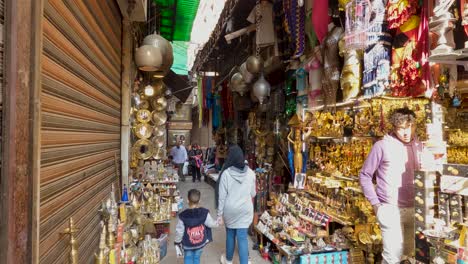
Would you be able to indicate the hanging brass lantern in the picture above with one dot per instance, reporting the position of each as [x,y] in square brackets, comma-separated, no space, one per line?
[159,131]
[238,84]
[159,118]
[246,75]
[254,64]
[261,89]
[143,116]
[159,104]
[158,141]
[148,58]
[143,130]
[165,48]
[143,149]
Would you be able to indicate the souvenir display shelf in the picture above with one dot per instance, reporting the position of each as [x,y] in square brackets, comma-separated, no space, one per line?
[441,215]
[136,229]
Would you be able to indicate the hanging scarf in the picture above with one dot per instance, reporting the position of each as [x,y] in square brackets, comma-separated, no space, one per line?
[295,26]
[200,101]
[320,19]
[406,71]
[423,46]
[216,111]
[398,13]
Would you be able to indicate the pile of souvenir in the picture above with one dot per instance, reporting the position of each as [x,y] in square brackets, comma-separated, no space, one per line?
[149,119]
[131,228]
[457,151]
[299,228]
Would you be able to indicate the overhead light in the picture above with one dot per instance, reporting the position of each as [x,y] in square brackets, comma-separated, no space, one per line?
[149,90]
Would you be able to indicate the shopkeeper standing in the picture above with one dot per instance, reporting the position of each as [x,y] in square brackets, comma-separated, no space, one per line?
[393,161]
[179,156]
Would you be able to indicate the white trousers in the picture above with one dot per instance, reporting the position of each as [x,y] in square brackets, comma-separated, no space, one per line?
[397,225]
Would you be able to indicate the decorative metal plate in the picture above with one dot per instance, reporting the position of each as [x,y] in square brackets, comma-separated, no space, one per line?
[143,116]
[159,118]
[143,149]
[143,130]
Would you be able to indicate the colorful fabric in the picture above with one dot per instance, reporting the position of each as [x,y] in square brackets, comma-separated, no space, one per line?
[295,26]
[200,101]
[398,12]
[216,111]
[406,78]
[320,18]
[301,84]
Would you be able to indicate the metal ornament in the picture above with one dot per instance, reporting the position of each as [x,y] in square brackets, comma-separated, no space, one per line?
[159,88]
[158,142]
[143,130]
[159,131]
[143,149]
[159,118]
[254,64]
[143,104]
[143,116]
[238,84]
[165,48]
[246,75]
[148,58]
[159,104]
[261,89]
[159,153]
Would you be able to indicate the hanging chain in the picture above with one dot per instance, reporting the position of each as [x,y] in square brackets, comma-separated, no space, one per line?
[258,16]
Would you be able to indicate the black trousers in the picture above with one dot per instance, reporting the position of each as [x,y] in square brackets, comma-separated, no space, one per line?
[196,173]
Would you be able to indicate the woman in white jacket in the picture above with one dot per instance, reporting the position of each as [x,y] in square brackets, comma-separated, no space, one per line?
[235,205]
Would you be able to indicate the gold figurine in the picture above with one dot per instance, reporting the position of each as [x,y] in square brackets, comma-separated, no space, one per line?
[297,148]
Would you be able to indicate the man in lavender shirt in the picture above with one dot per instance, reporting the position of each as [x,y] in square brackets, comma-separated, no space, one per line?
[393,161]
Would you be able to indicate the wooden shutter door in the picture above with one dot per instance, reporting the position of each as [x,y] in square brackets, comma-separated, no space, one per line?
[80,136]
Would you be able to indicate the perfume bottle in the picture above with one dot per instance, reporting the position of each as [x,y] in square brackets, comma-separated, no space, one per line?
[125,194]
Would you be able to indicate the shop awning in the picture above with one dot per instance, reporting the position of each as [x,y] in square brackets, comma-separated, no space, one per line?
[176,18]
[179,85]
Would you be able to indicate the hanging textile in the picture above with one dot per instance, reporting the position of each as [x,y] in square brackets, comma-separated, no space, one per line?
[216,122]
[377,54]
[200,101]
[399,11]
[266,29]
[226,102]
[320,19]
[295,26]
[406,75]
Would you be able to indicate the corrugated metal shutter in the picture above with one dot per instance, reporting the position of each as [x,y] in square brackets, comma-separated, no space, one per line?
[81,69]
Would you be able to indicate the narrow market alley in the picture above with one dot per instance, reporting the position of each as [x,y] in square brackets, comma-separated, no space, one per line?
[212,252]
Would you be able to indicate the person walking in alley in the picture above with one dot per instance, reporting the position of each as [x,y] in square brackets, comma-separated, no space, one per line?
[193,230]
[235,206]
[195,161]
[393,161]
[179,156]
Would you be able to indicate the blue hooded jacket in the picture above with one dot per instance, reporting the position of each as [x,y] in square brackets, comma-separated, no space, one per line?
[196,234]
